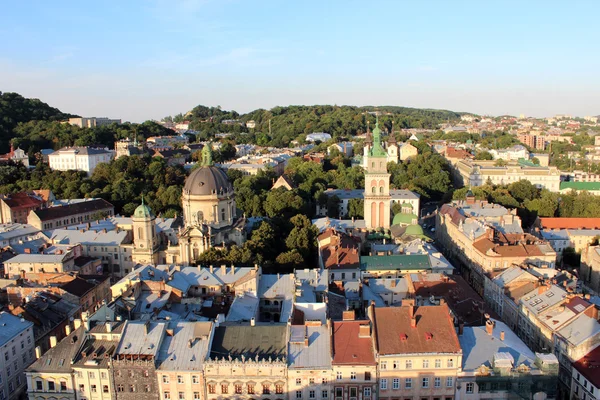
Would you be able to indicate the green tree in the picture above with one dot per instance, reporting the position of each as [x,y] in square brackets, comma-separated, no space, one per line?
[356,208]
[484,155]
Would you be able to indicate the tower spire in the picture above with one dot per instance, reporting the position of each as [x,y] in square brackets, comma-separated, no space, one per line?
[207,160]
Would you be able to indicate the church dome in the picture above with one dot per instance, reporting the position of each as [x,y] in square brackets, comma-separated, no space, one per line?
[143,211]
[207,180]
[404,219]
[414,230]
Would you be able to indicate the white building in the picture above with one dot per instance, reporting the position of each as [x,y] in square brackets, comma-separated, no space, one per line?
[16,347]
[79,158]
[92,122]
[478,173]
[319,136]
[514,153]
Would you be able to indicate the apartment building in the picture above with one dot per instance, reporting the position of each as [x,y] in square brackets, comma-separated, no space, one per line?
[418,351]
[310,373]
[585,380]
[487,238]
[71,214]
[79,158]
[16,350]
[180,360]
[478,173]
[50,259]
[590,268]
[354,366]
[248,361]
[15,208]
[92,122]
[498,365]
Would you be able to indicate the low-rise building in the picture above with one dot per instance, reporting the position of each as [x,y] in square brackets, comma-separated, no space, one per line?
[71,214]
[478,173]
[15,208]
[92,122]
[79,158]
[590,268]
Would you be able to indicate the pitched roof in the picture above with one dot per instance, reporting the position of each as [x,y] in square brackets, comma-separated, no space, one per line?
[317,354]
[11,326]
[395,261]
[348,347]
[58,358]
[570,223]
[47,214]
[23,200]
[262,341]
[589,365]
[434,331]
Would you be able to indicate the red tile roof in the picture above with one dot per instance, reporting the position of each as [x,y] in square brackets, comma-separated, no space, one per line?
[348,347]
[434,331]
[589,366]
[452,152]
[342,252]
[570,223]
[22,200]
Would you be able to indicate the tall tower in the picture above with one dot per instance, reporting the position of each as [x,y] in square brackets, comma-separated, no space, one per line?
[145,240]
[377,184]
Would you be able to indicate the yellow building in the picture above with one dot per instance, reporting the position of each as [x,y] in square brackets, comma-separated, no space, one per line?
[247,362]
[407,151]
[180,360]
[418,351]
[354,364]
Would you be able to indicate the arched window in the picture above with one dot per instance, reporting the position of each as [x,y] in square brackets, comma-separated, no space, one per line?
[374,189]
[373,164]
[200,216]
[381,189]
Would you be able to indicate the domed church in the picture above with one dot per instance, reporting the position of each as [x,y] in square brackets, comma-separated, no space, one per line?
[209,212]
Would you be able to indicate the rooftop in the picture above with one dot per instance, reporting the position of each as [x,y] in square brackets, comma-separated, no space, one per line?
[416,262]
[349,348]
[11,326]
[185,346]
[433,332]
[262,341]
[588,366]
[316,354]
[51,213]
[479,347]
[141,338]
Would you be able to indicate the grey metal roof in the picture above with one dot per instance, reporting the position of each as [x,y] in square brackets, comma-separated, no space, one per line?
[580,329]
[185,346]
[58,359]
[243,308]
[141,338]
[10,326]
[318,352]
[479,348]
[262,341]
[9,231]
[537,303]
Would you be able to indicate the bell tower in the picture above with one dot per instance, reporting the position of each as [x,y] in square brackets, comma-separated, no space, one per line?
[145,240]
[377,184]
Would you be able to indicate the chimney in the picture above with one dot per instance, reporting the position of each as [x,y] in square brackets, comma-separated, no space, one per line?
[108,327]
[364,331]
[77,323]
[305,337]
[223,269]
[502,335]
[393,283]
[232,269]
[413,320]
[211,269]
[542,289]
[252,321]
[461,328]
[489,327]
[348,315]
[67,329]
[87,325]
[53,341]
[38,352]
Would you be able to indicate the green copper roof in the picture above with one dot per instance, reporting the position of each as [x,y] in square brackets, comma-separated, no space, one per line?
[207,159]
[414,230]
[416,262]
[377,150]
[407,205]
[142,211]
[404,219]
[592,186]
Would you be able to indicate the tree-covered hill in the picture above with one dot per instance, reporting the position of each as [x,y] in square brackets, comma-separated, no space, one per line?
[289,123]
[15,109]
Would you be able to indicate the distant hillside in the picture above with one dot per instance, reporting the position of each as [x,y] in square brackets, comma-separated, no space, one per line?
[288,123]
[15,108]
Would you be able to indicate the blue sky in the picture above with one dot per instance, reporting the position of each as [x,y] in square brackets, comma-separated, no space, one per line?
[139,60]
